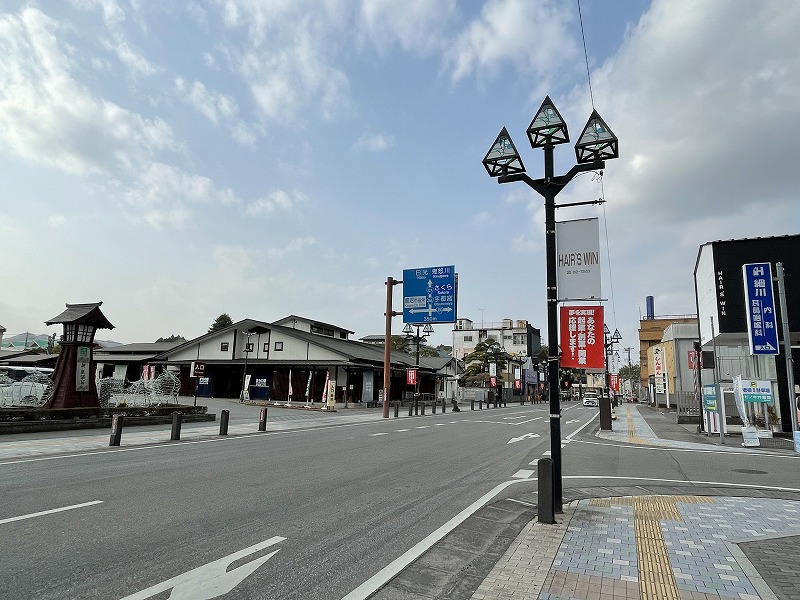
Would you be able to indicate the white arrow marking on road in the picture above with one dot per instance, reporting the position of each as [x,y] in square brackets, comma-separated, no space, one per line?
[211,580]
[522,437]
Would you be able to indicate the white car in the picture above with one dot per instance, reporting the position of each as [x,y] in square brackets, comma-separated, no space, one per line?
[590,399]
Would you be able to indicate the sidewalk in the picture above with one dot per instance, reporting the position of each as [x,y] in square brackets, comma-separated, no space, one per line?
[654,547]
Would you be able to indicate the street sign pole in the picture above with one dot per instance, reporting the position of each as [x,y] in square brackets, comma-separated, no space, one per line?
[787,347]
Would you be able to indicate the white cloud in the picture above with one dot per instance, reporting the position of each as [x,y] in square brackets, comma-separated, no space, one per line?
[274,201]
[165,195]
[532,36]
[417,25]
[112,12]
[47,117]
[208,103]
[129,57]
[285,57]
[375,142]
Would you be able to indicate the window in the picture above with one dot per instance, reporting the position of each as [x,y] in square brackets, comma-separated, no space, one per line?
[519,339]
[319,329]
[223,347]
[266,346]
[467,338]
[482,334]
[278,346]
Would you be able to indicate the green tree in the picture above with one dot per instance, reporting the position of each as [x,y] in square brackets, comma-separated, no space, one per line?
[632,372]
[221,322]
[400,343]
[172,338]
[477,361]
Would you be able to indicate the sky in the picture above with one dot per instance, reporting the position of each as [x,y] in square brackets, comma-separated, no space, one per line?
[181,159]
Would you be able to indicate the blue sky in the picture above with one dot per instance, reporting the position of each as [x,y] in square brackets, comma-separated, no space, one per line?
[178,160]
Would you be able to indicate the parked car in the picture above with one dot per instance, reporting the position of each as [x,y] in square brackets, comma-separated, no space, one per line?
[590,399]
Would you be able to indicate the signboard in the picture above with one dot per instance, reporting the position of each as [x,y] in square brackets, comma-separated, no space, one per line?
[693,357]
[762,322]
[331,399]
[613,382]
[492,381]
[82,369]
[493,369]
[658,361]
[750,436]
[757,391]
[198,369]
[429,295]
[710,397]
[582,337]
[411,376]
[578,259]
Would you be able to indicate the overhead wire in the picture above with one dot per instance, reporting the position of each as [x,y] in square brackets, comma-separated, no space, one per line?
[599,175]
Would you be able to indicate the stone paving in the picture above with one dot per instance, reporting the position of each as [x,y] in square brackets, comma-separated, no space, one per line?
[654,547]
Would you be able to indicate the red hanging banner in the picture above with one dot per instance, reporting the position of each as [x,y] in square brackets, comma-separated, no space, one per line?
[582,337]
[411,377]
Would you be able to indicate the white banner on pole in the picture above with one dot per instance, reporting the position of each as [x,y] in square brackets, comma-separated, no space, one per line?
[578,259]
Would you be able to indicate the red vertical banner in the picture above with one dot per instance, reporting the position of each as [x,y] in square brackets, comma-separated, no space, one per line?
[411,377]
[613,382]
[582,337]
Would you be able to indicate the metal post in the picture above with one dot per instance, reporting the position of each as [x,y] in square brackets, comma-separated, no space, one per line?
[433,410]
[550,192]
[720,395]
[396,409]
[116,429]
[224,417]
[410,409]
[787,348]
[262,419]
[472,404]
[444,405]
[546,514]
[422,408]
[387,348]
[177,418]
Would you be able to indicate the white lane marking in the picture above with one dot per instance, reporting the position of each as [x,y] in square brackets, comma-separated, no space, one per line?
[752,453]
[571,421]
[382,577]
[377,434]
[522,437]
[211,580]
[422,427]
[534,462]
[512,418]
[546,453]
[401,430]
[523,474]
[527,421]
[520,502]
[440,424]
[49,512]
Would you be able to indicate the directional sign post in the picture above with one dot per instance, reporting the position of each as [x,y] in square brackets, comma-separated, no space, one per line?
[429,295]
[762,322]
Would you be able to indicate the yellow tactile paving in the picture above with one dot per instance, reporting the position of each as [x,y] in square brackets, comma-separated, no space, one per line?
[656,578]
[633,436]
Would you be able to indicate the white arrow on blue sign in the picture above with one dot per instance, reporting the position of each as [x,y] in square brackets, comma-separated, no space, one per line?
[762,322]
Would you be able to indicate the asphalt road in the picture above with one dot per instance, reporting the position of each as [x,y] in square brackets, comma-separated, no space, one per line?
[348,499]
[319,512]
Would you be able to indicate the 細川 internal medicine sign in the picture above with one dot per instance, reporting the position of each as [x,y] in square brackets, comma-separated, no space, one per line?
[762,323]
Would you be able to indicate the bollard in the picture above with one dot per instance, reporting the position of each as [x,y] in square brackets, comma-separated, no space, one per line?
[423,409]
[410,409]
[416,407]
[472,404]
[434,407]
[116,429]
[545,482]
[224,417]
[262,420]
[480,404]
[177,418]
[396,409]
[444,406]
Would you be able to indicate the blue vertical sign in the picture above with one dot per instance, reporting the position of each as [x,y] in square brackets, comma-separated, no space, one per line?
[762,323]
[429,295]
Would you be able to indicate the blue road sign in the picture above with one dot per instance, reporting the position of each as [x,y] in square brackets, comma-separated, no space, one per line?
[762,322]
[429,295]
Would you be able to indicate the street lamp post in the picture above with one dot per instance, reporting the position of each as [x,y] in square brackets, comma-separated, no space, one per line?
[247,349]
[595,144]
[426,331]
[609,340]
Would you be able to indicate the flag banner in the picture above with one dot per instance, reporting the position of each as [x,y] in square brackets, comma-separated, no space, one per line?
[578,259]
[582,337]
